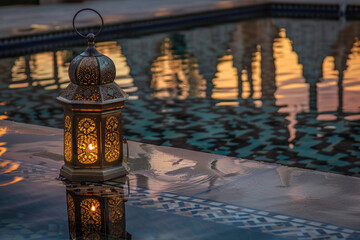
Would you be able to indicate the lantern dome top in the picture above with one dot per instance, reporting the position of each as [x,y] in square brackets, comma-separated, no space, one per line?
[91,68]
[92,76]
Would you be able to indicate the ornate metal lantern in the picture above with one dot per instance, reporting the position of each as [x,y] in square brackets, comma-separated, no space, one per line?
[97,211]
[93,142]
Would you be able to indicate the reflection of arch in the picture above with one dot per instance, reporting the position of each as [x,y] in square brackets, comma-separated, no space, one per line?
[341,50]
[292,92]
[140,53]
[269,33]
[244,46]
[175,72]
[226,81]
[207,45]
[312,44]
[351,83]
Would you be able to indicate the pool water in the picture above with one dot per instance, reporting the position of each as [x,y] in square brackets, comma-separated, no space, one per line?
[275,89]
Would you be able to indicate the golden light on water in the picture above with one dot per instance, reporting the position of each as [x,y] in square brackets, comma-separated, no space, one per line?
[256,73]
[18,70]
[7,166]
[42,68]
[15,180]
[292,92]
[19,85]
[179,77]
[226,80]
[175,76]
[351,82]
[327,90]
[3,131]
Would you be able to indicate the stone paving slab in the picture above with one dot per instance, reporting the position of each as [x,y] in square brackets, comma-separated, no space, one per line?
[27,20]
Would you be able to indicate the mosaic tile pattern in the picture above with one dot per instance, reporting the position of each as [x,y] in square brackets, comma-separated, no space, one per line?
[241,217]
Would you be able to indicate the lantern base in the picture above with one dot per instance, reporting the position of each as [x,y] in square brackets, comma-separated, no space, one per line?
[91,174]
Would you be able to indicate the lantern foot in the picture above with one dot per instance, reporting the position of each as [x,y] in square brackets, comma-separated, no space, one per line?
[91,174]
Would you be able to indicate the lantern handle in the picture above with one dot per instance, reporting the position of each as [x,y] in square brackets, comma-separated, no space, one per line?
[90,9]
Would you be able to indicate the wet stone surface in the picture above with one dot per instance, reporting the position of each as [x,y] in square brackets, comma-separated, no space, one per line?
[174,194]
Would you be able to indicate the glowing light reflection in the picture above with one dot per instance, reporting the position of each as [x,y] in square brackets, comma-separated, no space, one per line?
[16,179]
[7,166]
[226,79]
[327,90]
[292,92]
[351,82]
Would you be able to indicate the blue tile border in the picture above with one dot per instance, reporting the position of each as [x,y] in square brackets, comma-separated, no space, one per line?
[238,216]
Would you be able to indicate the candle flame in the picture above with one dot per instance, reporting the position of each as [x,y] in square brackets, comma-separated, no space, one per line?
[93,208]
[91,147]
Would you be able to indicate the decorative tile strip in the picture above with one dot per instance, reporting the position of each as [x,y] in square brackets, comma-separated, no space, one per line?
[240,217]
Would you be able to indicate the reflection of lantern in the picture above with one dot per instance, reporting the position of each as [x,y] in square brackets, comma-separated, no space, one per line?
[92,102]
[96,211]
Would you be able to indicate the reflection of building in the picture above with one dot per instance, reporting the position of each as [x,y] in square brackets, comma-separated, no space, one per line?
[208,45]
[175,72]
[245,50]
[347,62]
[312,42]
[139,54]
[96,211]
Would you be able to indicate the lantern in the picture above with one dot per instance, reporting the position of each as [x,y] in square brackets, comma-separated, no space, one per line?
[92,102]
[96,211]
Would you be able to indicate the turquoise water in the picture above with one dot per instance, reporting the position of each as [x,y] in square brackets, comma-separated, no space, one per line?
[275,90]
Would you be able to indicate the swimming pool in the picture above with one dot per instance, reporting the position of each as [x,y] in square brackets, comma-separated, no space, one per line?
[274,89]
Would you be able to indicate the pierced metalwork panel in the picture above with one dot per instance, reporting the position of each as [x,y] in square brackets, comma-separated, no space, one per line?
[90,218]
[111,92]
[107,70]
[87,145]
[87,72]
[87,93]
[69,92]
[68,139]
[71,216]
[72,68]
[116,215]
[112,139]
